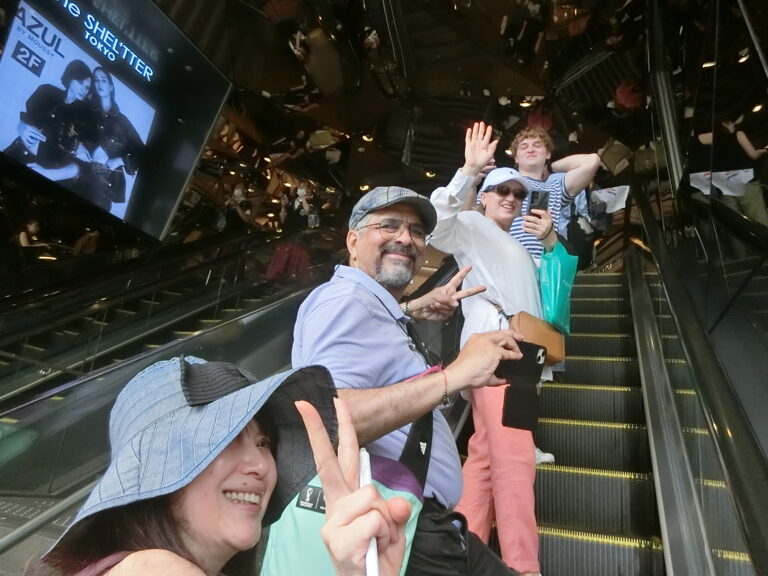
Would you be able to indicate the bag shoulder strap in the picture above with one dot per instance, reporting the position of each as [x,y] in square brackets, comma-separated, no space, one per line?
[418,445]
[418,448]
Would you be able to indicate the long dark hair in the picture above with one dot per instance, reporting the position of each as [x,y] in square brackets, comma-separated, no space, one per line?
[94,97]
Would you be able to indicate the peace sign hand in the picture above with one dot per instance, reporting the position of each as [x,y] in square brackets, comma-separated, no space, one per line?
[353,515]
[440,303]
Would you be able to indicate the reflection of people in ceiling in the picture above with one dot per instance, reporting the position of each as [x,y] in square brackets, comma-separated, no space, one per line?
[730,156]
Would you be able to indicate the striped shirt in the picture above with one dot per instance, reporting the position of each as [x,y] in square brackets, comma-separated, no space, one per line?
[558,199]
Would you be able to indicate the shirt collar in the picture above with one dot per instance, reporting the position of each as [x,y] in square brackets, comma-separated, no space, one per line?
[359,277]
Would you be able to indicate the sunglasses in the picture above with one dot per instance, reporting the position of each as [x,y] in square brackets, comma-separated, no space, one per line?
[504,191]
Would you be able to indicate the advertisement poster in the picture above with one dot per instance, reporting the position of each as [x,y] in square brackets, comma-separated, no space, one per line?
[67,115]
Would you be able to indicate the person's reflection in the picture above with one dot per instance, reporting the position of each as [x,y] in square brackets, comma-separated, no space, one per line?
[732,169]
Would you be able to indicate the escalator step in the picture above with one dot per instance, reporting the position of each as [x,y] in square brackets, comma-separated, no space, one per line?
[600,344]
[604,501]
[592,402]
[599,291]
[601,370]
[607,278]
[679,371]
[720,518]
[603,323]
[689,408]
[702,455]
[586,554]
[600,445]
[600,306]
[732,563]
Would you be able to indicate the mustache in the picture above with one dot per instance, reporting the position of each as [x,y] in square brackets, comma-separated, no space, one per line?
[394,248]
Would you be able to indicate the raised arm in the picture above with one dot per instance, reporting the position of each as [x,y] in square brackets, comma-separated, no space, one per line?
[448,201]
[749,149]
[580,170]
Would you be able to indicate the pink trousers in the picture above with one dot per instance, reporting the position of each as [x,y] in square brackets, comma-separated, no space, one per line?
[498,482]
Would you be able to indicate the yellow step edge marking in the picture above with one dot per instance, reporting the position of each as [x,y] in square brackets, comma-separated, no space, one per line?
[622,541]
[9,420]
[617,474]
[590,387]
[696,431]
[601,359]
[685,391]
[732,555]
[592,335]
[591,424]
[675,361]
[598,299]
[56,398]
[711,483]
[599,316]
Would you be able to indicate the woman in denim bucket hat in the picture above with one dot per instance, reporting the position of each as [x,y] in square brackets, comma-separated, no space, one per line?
[202,457]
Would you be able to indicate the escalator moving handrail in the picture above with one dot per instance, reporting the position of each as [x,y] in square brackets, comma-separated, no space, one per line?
[740,226]
[686,551]
[735,441]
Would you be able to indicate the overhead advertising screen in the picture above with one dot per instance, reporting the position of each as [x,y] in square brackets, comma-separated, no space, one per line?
[110,100]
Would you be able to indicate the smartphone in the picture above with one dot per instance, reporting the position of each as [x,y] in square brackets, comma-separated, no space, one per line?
[521,407]
[528,369]
[539,199]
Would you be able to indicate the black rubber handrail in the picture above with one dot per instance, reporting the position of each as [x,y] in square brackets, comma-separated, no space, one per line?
[735,442]
[686,551]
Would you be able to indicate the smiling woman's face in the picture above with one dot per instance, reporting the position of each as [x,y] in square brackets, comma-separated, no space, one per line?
[502,209]
[221,511]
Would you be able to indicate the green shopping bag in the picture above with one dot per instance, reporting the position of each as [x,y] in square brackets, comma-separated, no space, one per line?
[556,274]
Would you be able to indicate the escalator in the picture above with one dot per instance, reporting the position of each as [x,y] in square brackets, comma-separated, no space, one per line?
[605,506]
[50,341]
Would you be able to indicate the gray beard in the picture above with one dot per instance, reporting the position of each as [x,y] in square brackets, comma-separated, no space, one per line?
[394,277]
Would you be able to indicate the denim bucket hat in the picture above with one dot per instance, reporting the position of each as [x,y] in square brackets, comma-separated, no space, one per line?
[500,175]
[383,196]
[176,416]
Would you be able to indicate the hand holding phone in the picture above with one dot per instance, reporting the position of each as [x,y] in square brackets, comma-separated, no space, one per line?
[528,369]
[539,200]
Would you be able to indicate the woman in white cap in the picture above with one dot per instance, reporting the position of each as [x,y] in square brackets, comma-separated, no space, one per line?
[501,468]
[203,456]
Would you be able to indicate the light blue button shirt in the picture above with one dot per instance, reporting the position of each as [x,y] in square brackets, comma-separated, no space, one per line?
[356,329]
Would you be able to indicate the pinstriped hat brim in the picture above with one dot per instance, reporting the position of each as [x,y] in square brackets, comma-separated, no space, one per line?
[160,443]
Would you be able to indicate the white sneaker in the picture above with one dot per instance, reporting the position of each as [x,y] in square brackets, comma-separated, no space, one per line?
[544,457]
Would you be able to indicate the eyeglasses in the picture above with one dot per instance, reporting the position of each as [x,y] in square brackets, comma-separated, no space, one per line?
[504,191]
[391,229]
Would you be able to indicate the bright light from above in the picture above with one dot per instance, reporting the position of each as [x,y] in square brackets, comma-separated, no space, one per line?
[708,65]
[757,108]
[367,137]
[364,187]
[429,174]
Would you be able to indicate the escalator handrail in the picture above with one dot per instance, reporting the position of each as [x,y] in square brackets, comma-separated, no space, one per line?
[686,551]
[740,226]
[734,439]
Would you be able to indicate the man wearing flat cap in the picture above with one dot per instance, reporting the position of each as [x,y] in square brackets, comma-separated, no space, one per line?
[354,326]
